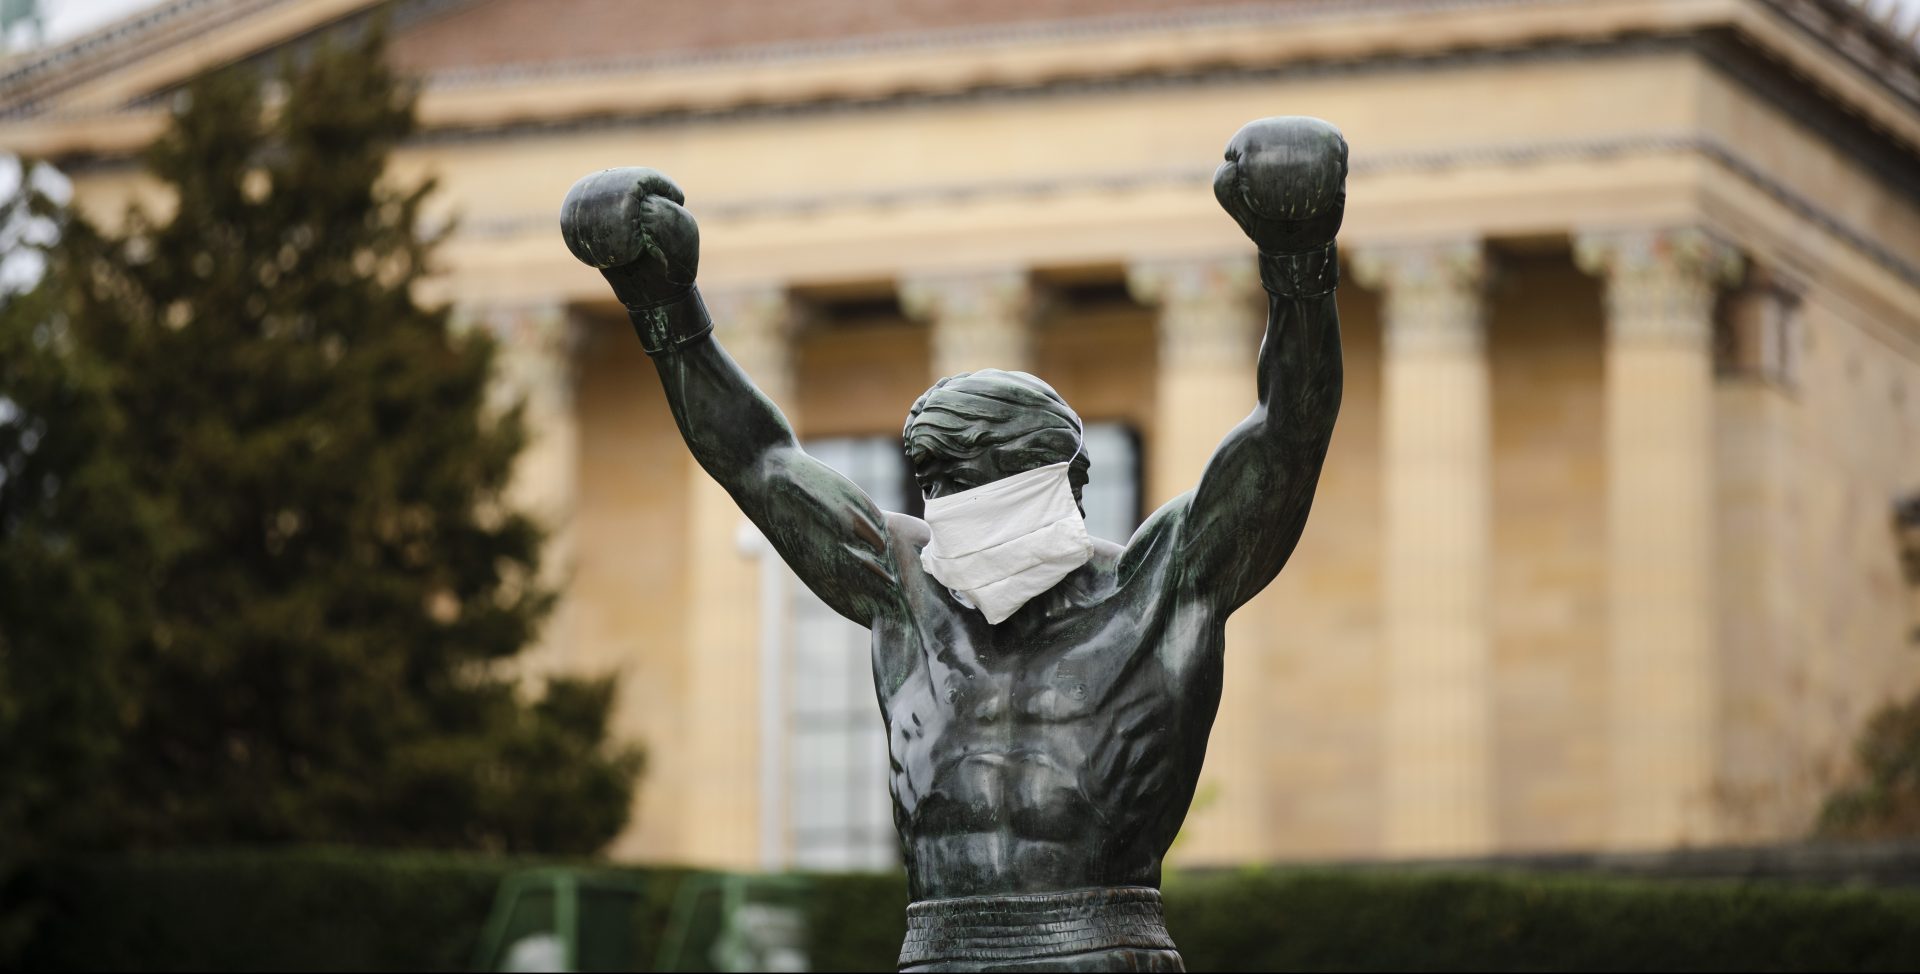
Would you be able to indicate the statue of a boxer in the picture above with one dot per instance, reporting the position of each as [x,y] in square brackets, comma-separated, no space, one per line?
[1047,697]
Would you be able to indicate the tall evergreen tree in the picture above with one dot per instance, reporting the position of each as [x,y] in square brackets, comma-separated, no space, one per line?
[335,575]
[75,540]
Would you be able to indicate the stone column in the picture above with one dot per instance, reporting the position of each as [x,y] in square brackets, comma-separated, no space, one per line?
[1211,314]
[1436,437]
[980,320]
[756,324]
[534,368]
[1759,503]
[1212,311]
[1661,287]
[719,745]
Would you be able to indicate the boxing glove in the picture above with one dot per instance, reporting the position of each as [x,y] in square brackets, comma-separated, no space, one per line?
[1284,182]
[632,225]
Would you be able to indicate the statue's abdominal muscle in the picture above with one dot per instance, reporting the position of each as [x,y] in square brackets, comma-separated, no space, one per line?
[1029,772]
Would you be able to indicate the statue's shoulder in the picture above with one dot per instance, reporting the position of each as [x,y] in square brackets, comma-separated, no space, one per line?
[906,536]
[1153,544]
[908,532]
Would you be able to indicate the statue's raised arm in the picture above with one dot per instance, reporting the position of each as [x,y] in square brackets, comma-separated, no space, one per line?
[1284,182]
[632,225]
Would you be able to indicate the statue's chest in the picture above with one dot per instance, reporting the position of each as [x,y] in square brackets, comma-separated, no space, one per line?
[984,697]
[1033,707]
[1063,699]
[1063,673]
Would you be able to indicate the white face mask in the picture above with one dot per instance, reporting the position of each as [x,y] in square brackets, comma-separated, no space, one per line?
[1003,543]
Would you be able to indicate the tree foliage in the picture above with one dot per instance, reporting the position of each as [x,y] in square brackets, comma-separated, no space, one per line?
[1884,803]
[75,543]
[258,572]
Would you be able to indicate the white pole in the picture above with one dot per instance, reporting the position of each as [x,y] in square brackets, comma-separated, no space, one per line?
[773,710]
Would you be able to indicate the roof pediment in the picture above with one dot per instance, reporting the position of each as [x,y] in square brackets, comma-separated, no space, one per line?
[132,60]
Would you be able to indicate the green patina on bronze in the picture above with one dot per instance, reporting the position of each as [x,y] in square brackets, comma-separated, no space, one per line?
[1040,767]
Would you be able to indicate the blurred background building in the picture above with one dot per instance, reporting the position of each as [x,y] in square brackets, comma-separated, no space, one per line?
[1604,556]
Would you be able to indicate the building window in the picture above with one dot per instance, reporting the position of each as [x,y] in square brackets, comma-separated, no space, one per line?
[1112,494]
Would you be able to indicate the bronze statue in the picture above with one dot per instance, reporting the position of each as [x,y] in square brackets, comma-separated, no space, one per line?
[1047,698]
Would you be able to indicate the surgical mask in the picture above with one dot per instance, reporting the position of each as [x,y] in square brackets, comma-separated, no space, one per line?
[1000,544]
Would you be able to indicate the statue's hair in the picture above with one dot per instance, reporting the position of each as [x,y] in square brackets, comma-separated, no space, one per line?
[964,415]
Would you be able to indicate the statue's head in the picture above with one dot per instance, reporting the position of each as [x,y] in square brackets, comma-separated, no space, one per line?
[974,428]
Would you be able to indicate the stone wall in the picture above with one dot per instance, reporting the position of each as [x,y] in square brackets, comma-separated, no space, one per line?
[1814,611]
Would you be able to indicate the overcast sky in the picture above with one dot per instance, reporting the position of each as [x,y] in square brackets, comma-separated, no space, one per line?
[66,18]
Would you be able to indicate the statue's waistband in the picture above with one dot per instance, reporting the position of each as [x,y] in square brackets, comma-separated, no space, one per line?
[1031,925]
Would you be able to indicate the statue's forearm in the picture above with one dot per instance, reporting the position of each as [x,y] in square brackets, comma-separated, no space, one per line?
[1246,516]
[822,525]
[1300,370]
[728,424]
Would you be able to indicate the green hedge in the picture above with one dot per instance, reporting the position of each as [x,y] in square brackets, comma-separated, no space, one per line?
[304,911]
[856,922]
[1336,922]
[320,910]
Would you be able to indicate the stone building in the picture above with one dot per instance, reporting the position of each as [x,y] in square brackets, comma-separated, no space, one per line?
[1602,557]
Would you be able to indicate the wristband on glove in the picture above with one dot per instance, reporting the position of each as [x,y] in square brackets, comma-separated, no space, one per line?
[1306,274]
[671,325]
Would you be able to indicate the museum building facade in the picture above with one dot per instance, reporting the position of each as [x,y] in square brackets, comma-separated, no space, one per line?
[1604,552]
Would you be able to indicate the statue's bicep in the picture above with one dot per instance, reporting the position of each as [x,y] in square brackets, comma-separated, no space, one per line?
[830,533]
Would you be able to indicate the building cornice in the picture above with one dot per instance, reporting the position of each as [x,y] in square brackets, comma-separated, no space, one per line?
[118,40]
[1157,26]
[1870,45]
[185,35]
[1829,43]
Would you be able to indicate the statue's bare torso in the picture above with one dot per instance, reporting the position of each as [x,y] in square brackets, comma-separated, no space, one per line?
[1057,750]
